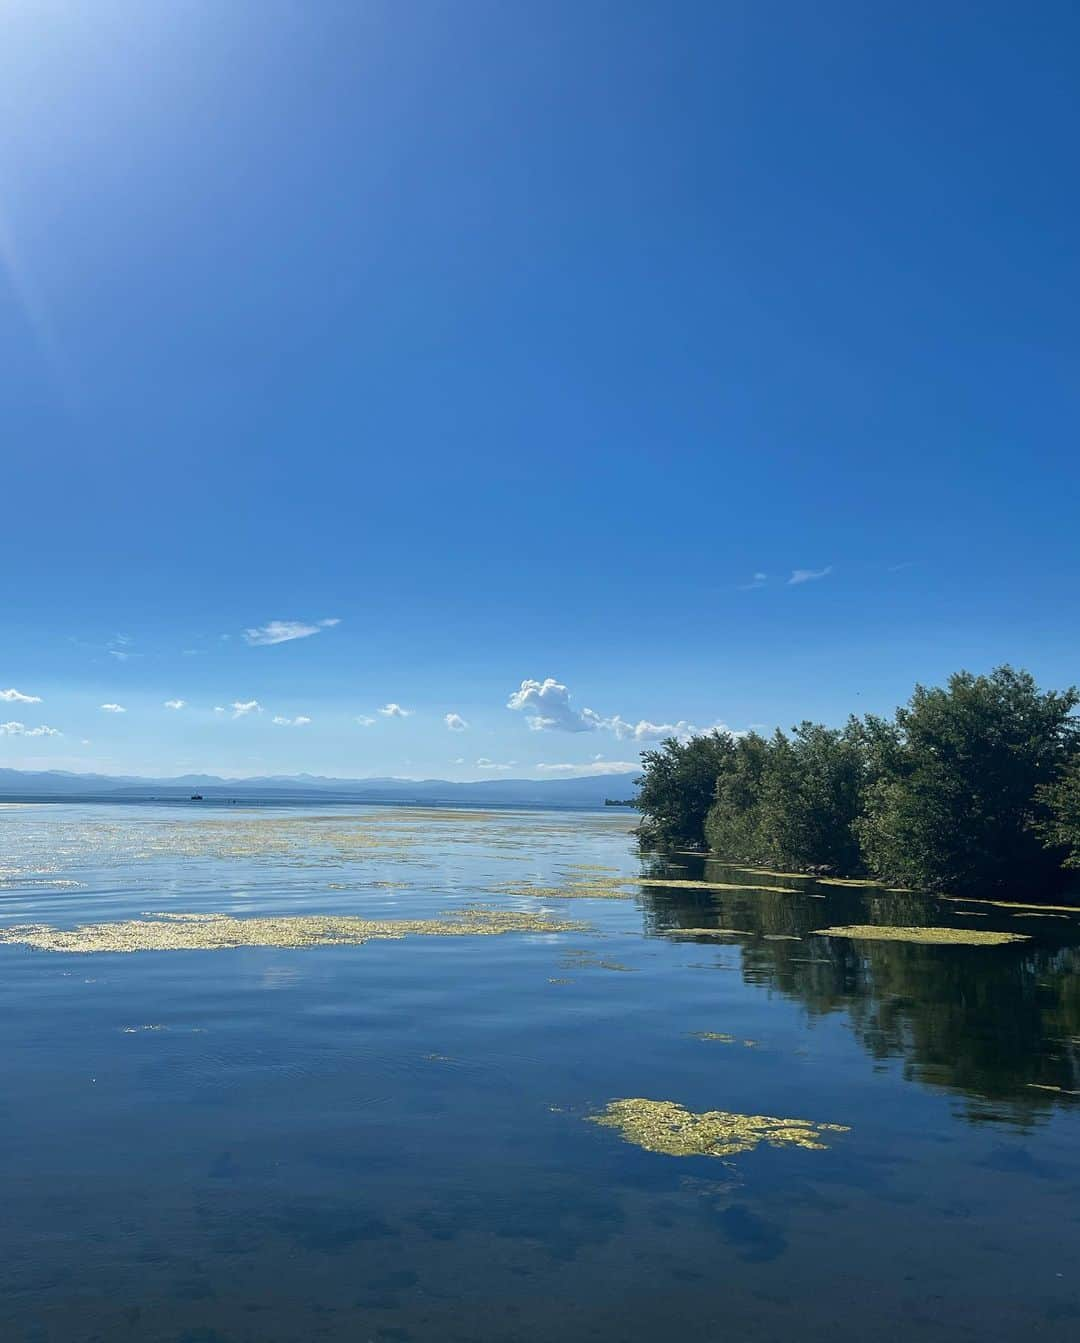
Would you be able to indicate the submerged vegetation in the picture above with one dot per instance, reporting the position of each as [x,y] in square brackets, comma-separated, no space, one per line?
[965,788]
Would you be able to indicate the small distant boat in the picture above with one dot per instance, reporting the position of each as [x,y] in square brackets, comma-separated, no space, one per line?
[196,797]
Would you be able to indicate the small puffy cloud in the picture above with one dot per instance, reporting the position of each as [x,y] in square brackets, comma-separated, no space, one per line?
[546,705]
[219,708]
[14,696]
[455,722]
[301,720]
[594,767]
[175,704]
[485,763]
[113,708]
[364,720]
[394,711]
[241,708]
[21,730]
[643,730]
[282,631]
[808,575]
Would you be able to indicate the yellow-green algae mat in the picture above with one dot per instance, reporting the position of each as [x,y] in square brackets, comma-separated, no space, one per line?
[967,937]
[672,1130]
[214,932]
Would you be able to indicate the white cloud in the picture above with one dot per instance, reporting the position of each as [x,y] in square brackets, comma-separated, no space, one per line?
[364,720]
[219,708]
[301,720]
[595,767]
[21,730]
[485,763]
[757,581]
[546,705]
[281,631]
[242,707]
[808,575]
[117,647]
[643,730]
[113,708]
[455,722]
[392,710]
[17,697]
[175,704]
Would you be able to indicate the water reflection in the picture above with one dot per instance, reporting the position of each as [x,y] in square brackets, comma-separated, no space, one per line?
[1001,1025]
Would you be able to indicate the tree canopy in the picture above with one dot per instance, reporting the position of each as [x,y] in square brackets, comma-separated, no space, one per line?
[969,786]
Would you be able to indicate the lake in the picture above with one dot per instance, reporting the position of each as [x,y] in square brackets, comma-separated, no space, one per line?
[573,1102]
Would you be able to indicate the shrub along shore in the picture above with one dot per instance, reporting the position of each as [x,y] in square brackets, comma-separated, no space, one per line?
[967,787]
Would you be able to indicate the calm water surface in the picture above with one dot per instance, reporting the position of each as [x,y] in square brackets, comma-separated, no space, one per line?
[391,1141]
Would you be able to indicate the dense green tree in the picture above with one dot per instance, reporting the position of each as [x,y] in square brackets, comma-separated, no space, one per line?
[678,785]
[1061,827]
[793,801]
[960,805]
[969,787]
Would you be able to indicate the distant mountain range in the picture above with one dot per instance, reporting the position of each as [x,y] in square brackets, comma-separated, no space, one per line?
[589,791]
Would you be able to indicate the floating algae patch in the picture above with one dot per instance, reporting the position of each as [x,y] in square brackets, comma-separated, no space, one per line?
[214,932]
[1015,905]
[721,1037]
[578,890]
[708,932]
[670,1129]
[767,872]
[969,937]
[687,885]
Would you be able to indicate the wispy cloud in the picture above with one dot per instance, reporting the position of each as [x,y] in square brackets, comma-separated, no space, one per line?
[241,708]
[365,720]
[219,708]
[392,710]
[14,696]
[282,631]
[808,575]
[897,568]
[119,647]
[597,767]
[301,720]
[113,708]
[757,581]
[485,763]
[455,722]
[21,730]
[175,704]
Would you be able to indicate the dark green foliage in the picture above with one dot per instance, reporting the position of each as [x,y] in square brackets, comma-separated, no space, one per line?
[793,801]
[678,784]
[969,787]
[959,807]
[1061,827]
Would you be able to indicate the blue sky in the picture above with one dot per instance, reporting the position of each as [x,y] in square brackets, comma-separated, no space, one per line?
[517,339]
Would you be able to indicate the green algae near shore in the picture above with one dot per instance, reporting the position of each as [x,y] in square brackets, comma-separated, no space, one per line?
[670,1129]
[221,932]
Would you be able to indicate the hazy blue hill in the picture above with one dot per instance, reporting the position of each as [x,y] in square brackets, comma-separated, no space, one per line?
[589,791]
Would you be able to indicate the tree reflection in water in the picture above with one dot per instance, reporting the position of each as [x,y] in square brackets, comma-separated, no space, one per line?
[1001,1025]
